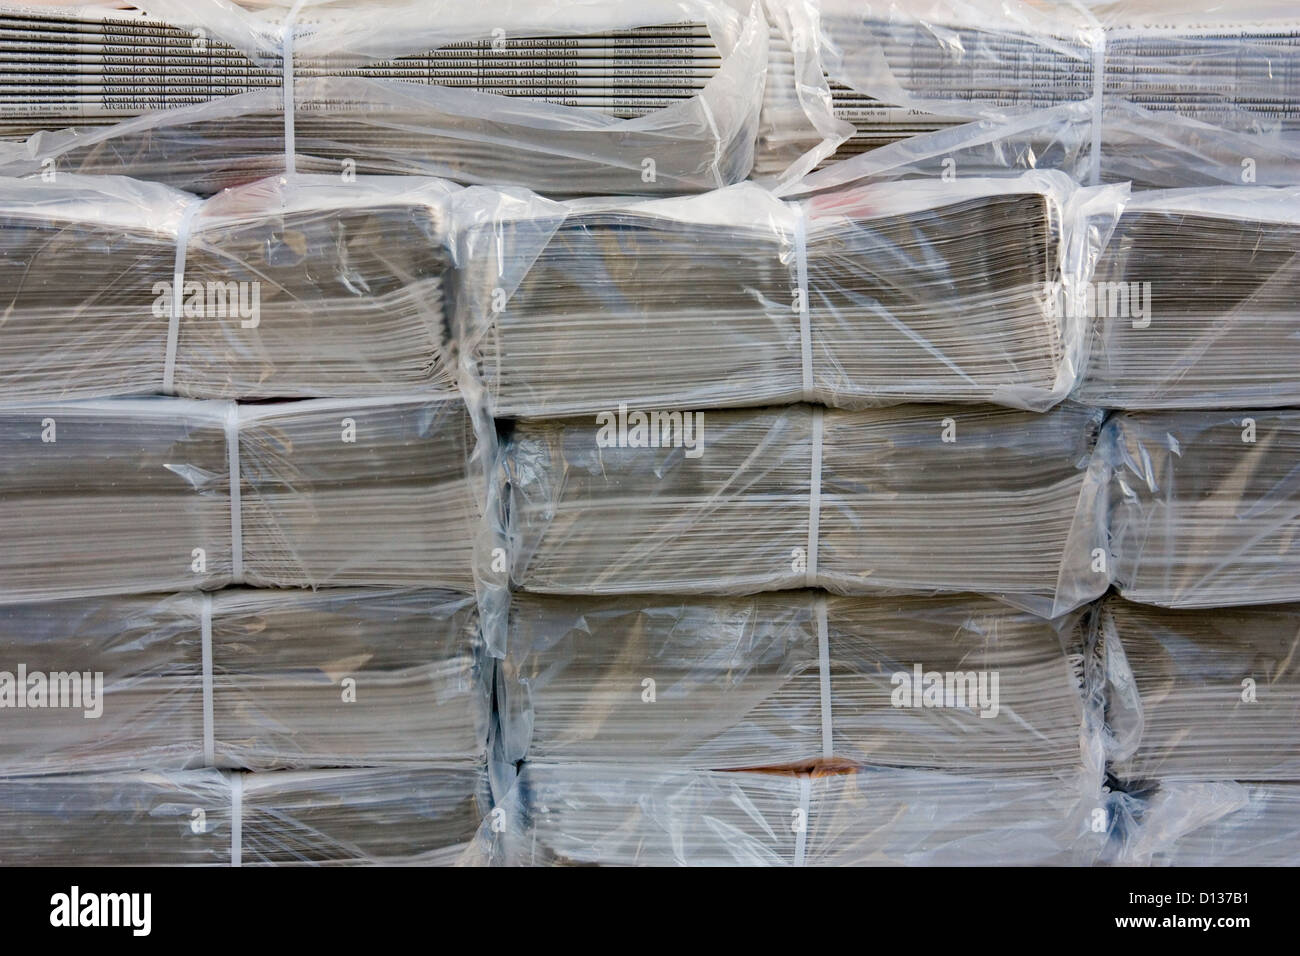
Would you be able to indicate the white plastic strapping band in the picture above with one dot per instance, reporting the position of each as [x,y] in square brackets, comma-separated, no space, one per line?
[801,298]
[1098,102]
[814,498]
[286,59]
[286,52]
[801,834]
[205,632]
[236,516]
[824,671]
[178,297]
[719,179]
[236,819]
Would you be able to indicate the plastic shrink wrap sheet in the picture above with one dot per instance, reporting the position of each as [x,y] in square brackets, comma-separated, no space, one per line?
[135,495]
[1202,694]
[563,96]
[638,815]
[1162,151]
[851,77]
[1194,302]
[866,296]
[1203,506]
[1215,824]
[339,817]
[1200,75]
[960,684]
[288,679]
[908,499]
[799,124]
[298,287]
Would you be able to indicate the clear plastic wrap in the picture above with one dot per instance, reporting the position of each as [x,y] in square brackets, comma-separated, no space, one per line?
[799,124]
[1056,138]
[1217,824]
[287,680]
[135,495]
[955,59]
[1233,67]
[331,817]
[872,295]
[1147,149]
[414,817]
[1195,302]
[1203,507]
[365,492]
[575,97]
[1202,694]
[645,816]
[298,287]
[1199,77]
[1162,150]
[867,77]
[795,678]
[908,499]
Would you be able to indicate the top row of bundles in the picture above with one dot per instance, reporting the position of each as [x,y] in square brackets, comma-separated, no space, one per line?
[643,97]
[1018,291]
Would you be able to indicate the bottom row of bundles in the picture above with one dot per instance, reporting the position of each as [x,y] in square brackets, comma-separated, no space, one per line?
[578,814]
[798,727]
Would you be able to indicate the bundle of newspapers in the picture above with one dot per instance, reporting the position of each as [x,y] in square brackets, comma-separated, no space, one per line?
[1203,507]
[577,814]
[585,97]
[649,432]
[1203,694]
[127,496]
[425,816]
[1201,713]
[866,296]
[909,499]
[243,678]
[288,287]
[960,684]
[1160,85]
[1194,302]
